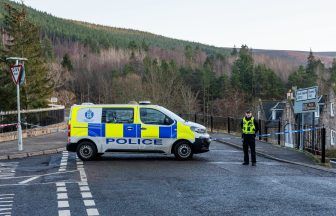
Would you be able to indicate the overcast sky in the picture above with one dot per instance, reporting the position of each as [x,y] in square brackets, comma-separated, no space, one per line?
[263,24]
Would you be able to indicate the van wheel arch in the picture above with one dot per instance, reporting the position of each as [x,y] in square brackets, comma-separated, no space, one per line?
[179,141]
[87,140]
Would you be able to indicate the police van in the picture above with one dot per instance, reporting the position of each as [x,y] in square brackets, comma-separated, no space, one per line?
[96,129]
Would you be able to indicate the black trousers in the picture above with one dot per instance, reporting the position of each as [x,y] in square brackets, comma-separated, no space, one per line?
[249,141]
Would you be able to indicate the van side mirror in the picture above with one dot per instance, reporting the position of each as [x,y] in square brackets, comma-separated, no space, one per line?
[168,121]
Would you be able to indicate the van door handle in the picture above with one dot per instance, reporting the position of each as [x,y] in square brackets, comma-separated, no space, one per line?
[129,128]
[143,128]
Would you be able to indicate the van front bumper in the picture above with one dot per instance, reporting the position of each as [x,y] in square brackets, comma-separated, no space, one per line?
[201,145]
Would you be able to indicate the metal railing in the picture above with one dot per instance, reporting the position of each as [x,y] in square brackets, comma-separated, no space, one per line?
[307,137]
[31,118]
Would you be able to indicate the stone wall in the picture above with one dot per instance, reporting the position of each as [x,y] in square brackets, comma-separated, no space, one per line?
[33,132]
[329,121]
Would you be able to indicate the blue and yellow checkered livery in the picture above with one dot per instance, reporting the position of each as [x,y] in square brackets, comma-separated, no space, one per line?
[83,129]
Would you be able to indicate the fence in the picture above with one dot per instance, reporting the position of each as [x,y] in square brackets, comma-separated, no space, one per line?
[31,118]
[309,138]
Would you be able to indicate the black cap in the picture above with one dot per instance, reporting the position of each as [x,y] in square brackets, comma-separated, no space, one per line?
[248,111]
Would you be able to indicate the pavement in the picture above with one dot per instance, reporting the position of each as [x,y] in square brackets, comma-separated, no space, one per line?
[212,183]
[32,146]
[272,151]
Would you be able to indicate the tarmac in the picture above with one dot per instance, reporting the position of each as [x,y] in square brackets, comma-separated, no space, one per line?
[274,152]
[56,142]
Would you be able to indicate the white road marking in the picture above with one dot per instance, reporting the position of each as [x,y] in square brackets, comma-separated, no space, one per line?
[63,204]
[64,213]
[6,201]
[84,188]
[5,209]
[86,195]
[82,183]
[89,203]
[61,189]
[7,169]
[29,180]
[92,212]
[62,196]
[47,174]
[64,161]
[60,184]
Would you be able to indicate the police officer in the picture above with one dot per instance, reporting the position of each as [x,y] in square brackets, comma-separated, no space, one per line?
[249,128]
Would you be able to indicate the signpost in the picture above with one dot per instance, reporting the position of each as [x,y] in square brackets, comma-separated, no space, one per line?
[306,101]
[17,71]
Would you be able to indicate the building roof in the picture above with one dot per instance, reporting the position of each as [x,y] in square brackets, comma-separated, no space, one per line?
[269,106]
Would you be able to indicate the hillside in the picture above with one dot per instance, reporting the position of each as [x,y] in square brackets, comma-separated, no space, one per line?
[98,36]
[103,64]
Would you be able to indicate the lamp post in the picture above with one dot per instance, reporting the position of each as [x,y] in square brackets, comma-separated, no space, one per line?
[19,128]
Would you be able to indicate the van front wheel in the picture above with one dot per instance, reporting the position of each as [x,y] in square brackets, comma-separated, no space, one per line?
[183,151]
[86,151]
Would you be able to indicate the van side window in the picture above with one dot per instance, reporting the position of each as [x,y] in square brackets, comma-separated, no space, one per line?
[155,117]
[118,115]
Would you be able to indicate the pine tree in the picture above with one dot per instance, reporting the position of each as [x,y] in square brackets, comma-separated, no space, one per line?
[47,48]
[23,40]
[66,62]
[311,68]
[298,78]
[234,51]
[268,85]
[242,71]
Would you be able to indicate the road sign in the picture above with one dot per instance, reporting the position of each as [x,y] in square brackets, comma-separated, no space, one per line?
[53,100]
[309,106]
[306,94]
[23,75]
[16,73]
[306,100]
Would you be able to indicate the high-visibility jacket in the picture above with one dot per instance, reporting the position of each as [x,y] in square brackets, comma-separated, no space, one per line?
[248,126]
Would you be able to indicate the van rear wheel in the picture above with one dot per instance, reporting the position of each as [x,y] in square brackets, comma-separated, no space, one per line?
[86,151]
[183,151]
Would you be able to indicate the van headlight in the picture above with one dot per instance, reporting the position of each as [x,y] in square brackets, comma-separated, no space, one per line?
[198,130]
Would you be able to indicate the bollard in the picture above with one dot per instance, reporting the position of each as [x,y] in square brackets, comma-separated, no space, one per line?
[259,129]
[323,145]
[211,123]
[228,122]
[279,130]
[298,127]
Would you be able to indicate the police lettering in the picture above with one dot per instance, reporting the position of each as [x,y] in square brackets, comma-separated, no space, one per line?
[132,141]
